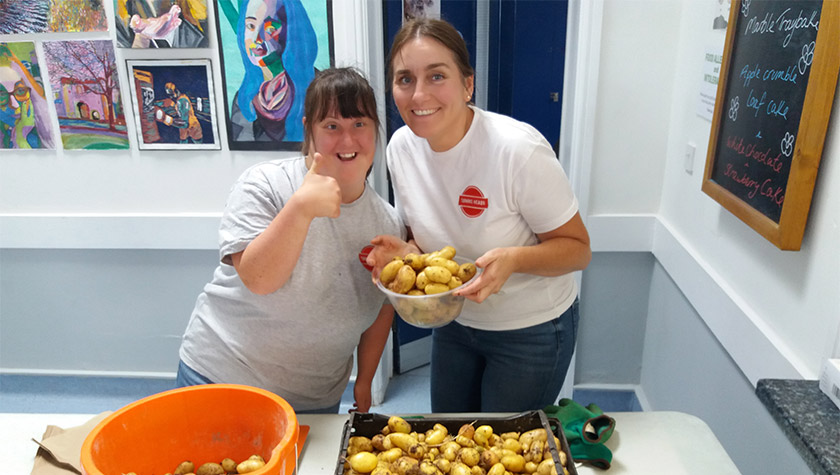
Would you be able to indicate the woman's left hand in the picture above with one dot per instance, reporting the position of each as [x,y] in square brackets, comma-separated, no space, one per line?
[497,265]
[361,392]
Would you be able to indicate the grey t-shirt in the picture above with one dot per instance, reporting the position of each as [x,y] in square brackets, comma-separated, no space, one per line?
[298,341]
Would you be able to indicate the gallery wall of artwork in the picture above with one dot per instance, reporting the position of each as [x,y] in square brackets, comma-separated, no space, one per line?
[71,60]
[116,141]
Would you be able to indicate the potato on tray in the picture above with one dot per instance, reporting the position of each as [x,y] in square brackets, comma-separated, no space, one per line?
[524,444]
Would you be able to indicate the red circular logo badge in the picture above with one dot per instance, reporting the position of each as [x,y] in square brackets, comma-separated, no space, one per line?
[363,257]
[472,202]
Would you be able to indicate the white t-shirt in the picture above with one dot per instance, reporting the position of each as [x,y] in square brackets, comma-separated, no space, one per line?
[499,186]
[298,341]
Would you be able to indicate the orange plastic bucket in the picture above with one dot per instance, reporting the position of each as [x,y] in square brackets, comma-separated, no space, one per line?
[202,424]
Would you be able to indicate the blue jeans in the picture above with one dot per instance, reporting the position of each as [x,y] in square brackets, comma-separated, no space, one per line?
[501,371]
[190,377]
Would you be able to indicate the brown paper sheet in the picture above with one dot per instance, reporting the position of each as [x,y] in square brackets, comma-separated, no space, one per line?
[59,449]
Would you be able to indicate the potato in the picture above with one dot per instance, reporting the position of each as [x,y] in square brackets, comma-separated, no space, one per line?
[454,282]
[469,456]
[210,468]
[406,465]
[408,444]
[482,434]
[421,281]
[398,424]
[438,274]
[514,462]
[447,264]
[428,468]
[416,261]
[378,443]
[229,465]
[547,467]
[447,252]
[358,444]
[466,271]
[363,462]
[250,465]
[496,469]
[389,272]
[184,467]
[488,459]
[467,430]
[390,455]
[436,288]
[404,280]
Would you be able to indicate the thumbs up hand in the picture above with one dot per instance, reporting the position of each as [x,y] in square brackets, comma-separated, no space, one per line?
[320,192]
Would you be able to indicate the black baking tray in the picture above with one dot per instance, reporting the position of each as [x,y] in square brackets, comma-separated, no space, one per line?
[370,424]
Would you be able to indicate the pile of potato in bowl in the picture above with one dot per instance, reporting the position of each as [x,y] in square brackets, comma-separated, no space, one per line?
[421,286]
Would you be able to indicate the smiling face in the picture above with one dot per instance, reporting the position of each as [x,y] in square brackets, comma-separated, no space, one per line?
[265,31]
[350,144]
[431,93]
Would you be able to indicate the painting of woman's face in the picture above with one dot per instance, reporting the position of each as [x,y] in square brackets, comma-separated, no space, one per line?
[21,92]
[265,31]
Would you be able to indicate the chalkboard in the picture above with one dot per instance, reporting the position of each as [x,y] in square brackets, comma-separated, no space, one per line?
[777,83]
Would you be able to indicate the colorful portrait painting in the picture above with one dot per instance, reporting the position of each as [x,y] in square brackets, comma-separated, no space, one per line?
[24,117]
[270,51]
[173,104]
[52,16]
[86,87]
[161,23]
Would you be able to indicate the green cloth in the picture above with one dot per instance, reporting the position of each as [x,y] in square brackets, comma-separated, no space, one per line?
[586,429]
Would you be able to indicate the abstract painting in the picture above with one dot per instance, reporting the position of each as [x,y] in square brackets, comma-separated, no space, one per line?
[173,103]
[270,51]
[24,116]
[46,16]
[161,23]
[86,87]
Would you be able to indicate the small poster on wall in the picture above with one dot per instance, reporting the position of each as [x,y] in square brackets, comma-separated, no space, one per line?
[85,84]
[24,118]
[173,104]
[51,16]
[270,51]
[161,23]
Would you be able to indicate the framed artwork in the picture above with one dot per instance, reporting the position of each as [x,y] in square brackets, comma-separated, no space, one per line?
[86,87]
[270,51]
[161,23]
[51,16]
[24,117]
[173,103]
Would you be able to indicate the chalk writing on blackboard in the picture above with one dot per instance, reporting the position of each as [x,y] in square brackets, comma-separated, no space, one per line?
[769,73]
[778,76]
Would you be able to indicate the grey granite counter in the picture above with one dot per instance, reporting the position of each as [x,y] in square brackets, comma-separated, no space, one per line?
[808,418]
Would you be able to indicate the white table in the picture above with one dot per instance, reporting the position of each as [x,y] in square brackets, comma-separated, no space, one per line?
[667,443]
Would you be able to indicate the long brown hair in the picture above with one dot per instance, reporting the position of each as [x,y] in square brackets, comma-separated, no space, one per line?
[343,90]
[439,30]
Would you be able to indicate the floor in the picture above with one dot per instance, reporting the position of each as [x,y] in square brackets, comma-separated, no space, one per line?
[407,393]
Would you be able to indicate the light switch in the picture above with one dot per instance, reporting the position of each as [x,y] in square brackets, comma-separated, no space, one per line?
[689,158]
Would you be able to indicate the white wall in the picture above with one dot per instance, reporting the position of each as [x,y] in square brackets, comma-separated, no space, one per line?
[726,307]
[787,302]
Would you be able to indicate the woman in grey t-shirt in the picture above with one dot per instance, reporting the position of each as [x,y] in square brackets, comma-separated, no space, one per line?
[292,297]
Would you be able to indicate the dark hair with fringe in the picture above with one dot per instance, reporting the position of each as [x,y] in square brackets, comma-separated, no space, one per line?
[341,90]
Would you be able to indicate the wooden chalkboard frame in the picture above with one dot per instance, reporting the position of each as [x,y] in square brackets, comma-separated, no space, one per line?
[788,232]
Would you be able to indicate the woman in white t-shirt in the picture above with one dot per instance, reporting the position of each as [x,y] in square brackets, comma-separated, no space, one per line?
[491,187]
